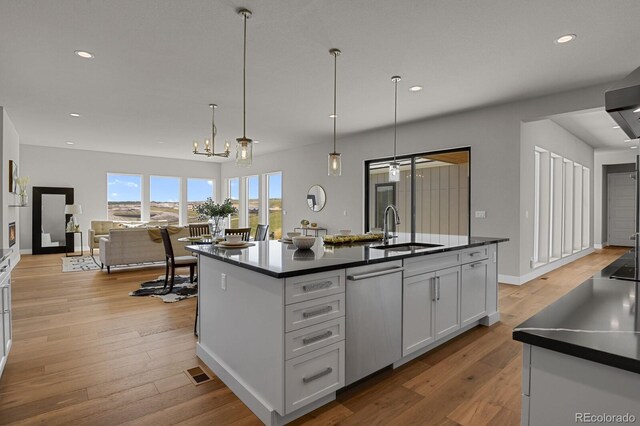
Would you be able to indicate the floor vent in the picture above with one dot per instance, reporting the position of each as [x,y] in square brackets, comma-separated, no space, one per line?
[198,376]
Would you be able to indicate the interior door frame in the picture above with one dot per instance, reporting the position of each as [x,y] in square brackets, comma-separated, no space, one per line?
[36,220]
[609,183]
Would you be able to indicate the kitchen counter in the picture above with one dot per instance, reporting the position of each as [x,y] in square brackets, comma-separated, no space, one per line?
[281,260]
[604,310]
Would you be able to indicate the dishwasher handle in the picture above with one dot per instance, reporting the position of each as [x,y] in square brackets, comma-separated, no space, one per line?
[375,274]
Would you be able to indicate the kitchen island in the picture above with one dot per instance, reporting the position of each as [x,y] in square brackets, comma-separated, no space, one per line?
[285,329]
[581,355]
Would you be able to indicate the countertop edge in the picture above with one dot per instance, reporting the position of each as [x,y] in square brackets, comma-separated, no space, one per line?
[346,264]
[589,354]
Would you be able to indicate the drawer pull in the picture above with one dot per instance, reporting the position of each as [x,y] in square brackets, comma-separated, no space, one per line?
[309,340]
[474,253]
[317,286]
[316,376]
[473,265]
[374,274]
[317,312]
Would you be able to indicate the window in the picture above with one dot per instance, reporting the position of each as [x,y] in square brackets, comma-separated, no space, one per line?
[252,203]
[164,199]
[561,207]
[274,200]
[124,197]
[234,195]
[432,195]
[197,192]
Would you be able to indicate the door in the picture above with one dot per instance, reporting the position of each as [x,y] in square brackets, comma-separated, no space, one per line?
[417,310]
[473,301]
[447,307]
[621,209]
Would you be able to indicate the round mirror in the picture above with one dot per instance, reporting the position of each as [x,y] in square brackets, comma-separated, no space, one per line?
[316,198]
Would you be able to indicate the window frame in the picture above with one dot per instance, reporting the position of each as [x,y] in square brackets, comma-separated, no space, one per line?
[141,187]
[180,197]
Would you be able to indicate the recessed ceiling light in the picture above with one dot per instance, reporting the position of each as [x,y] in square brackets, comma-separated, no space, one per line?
[256,141]
[565,38]
[627,140]
[616,127]
[636,110]
[70,143]
[74,114]
[633,147]
[84,54]
[415,88]
[332,115]
[160,142]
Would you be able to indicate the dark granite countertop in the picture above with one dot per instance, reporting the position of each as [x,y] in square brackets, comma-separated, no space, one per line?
[282,260]
[604,309]
[4,254]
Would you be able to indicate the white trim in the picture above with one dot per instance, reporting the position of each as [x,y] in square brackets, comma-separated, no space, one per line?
[515,280]
[25,251]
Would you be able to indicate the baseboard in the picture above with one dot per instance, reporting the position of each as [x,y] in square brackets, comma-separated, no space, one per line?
[25,251]
[601,246]
[545,269]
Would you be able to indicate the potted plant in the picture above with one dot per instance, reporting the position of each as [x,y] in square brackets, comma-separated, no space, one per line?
[216,214]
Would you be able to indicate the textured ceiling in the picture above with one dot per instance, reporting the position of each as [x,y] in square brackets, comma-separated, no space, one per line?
[159,63]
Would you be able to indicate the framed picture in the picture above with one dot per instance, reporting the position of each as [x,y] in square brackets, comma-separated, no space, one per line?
[13,176]
[12,233]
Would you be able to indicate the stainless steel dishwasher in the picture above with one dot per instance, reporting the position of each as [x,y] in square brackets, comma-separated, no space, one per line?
[373,338]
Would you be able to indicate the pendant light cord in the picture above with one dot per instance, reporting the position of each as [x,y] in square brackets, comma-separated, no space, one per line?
[395,119]
[213,128]
[335,94]
[244,81]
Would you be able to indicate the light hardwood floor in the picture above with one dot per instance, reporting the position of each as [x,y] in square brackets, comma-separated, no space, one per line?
[86,353]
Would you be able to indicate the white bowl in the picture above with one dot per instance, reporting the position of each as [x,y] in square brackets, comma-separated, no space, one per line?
[303,242]
[233,238]
[293,234]
[345,231]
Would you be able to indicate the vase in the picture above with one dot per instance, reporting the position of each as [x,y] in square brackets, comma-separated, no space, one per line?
[216,226]
[23,199]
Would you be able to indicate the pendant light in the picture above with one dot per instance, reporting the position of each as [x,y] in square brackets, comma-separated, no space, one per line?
[244,146]
[210,145]
[335,161]
[394,167]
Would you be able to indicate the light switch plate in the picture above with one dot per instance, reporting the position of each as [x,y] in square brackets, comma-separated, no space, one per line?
[481,214]
[223,282]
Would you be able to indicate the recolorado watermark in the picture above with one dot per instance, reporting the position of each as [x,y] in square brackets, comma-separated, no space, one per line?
[605,418]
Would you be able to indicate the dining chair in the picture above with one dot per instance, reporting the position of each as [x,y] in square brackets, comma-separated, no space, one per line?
[197,229]
[173,262]
[261,233]
[245,232]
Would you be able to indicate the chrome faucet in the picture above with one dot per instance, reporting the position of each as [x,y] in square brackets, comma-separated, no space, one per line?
[396,217]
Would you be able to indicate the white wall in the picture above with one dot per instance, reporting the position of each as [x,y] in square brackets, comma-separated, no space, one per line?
[554,138]
[86,172]
[605,157]
[10,151]
[493,133]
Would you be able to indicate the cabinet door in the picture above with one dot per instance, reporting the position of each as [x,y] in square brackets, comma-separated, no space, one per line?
[418,296]
[447,306]
[473,303]
[7,317]
[3,337]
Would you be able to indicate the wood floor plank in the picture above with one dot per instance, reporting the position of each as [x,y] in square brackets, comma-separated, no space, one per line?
[86,353]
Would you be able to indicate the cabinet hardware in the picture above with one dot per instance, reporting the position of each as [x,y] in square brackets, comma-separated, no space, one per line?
[317,312]
[309,340]
[316,376]
[374,274]
[474,253]
[433,289]
[473,265]
[4,268]
[438,288]
[316,286]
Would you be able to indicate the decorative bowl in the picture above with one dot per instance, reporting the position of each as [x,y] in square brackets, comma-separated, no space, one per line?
[345,231]
[303,242]
[293,234]
[233,238]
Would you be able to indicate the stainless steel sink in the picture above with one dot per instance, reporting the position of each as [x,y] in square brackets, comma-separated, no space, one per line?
[406,246]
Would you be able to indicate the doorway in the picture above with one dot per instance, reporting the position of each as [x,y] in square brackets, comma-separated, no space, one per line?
[621,209]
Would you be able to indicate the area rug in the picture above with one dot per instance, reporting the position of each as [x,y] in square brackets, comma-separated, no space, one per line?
[182,289]
[76,264]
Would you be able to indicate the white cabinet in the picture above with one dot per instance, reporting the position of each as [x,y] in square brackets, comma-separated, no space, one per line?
[417,312]
[5,313]
[447,306]
[474,291]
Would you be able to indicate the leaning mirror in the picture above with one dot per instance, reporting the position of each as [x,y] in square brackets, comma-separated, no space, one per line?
[316,198]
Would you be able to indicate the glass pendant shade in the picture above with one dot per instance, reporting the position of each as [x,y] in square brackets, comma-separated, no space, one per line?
[335,164]
[394,172]
[244,152]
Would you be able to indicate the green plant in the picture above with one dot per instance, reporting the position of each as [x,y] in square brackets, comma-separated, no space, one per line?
[210,209]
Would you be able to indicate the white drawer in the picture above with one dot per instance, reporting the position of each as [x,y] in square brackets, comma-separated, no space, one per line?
[311,376]
[317,336]
[313,312]
[432,262]
[475,254]
[307,287]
